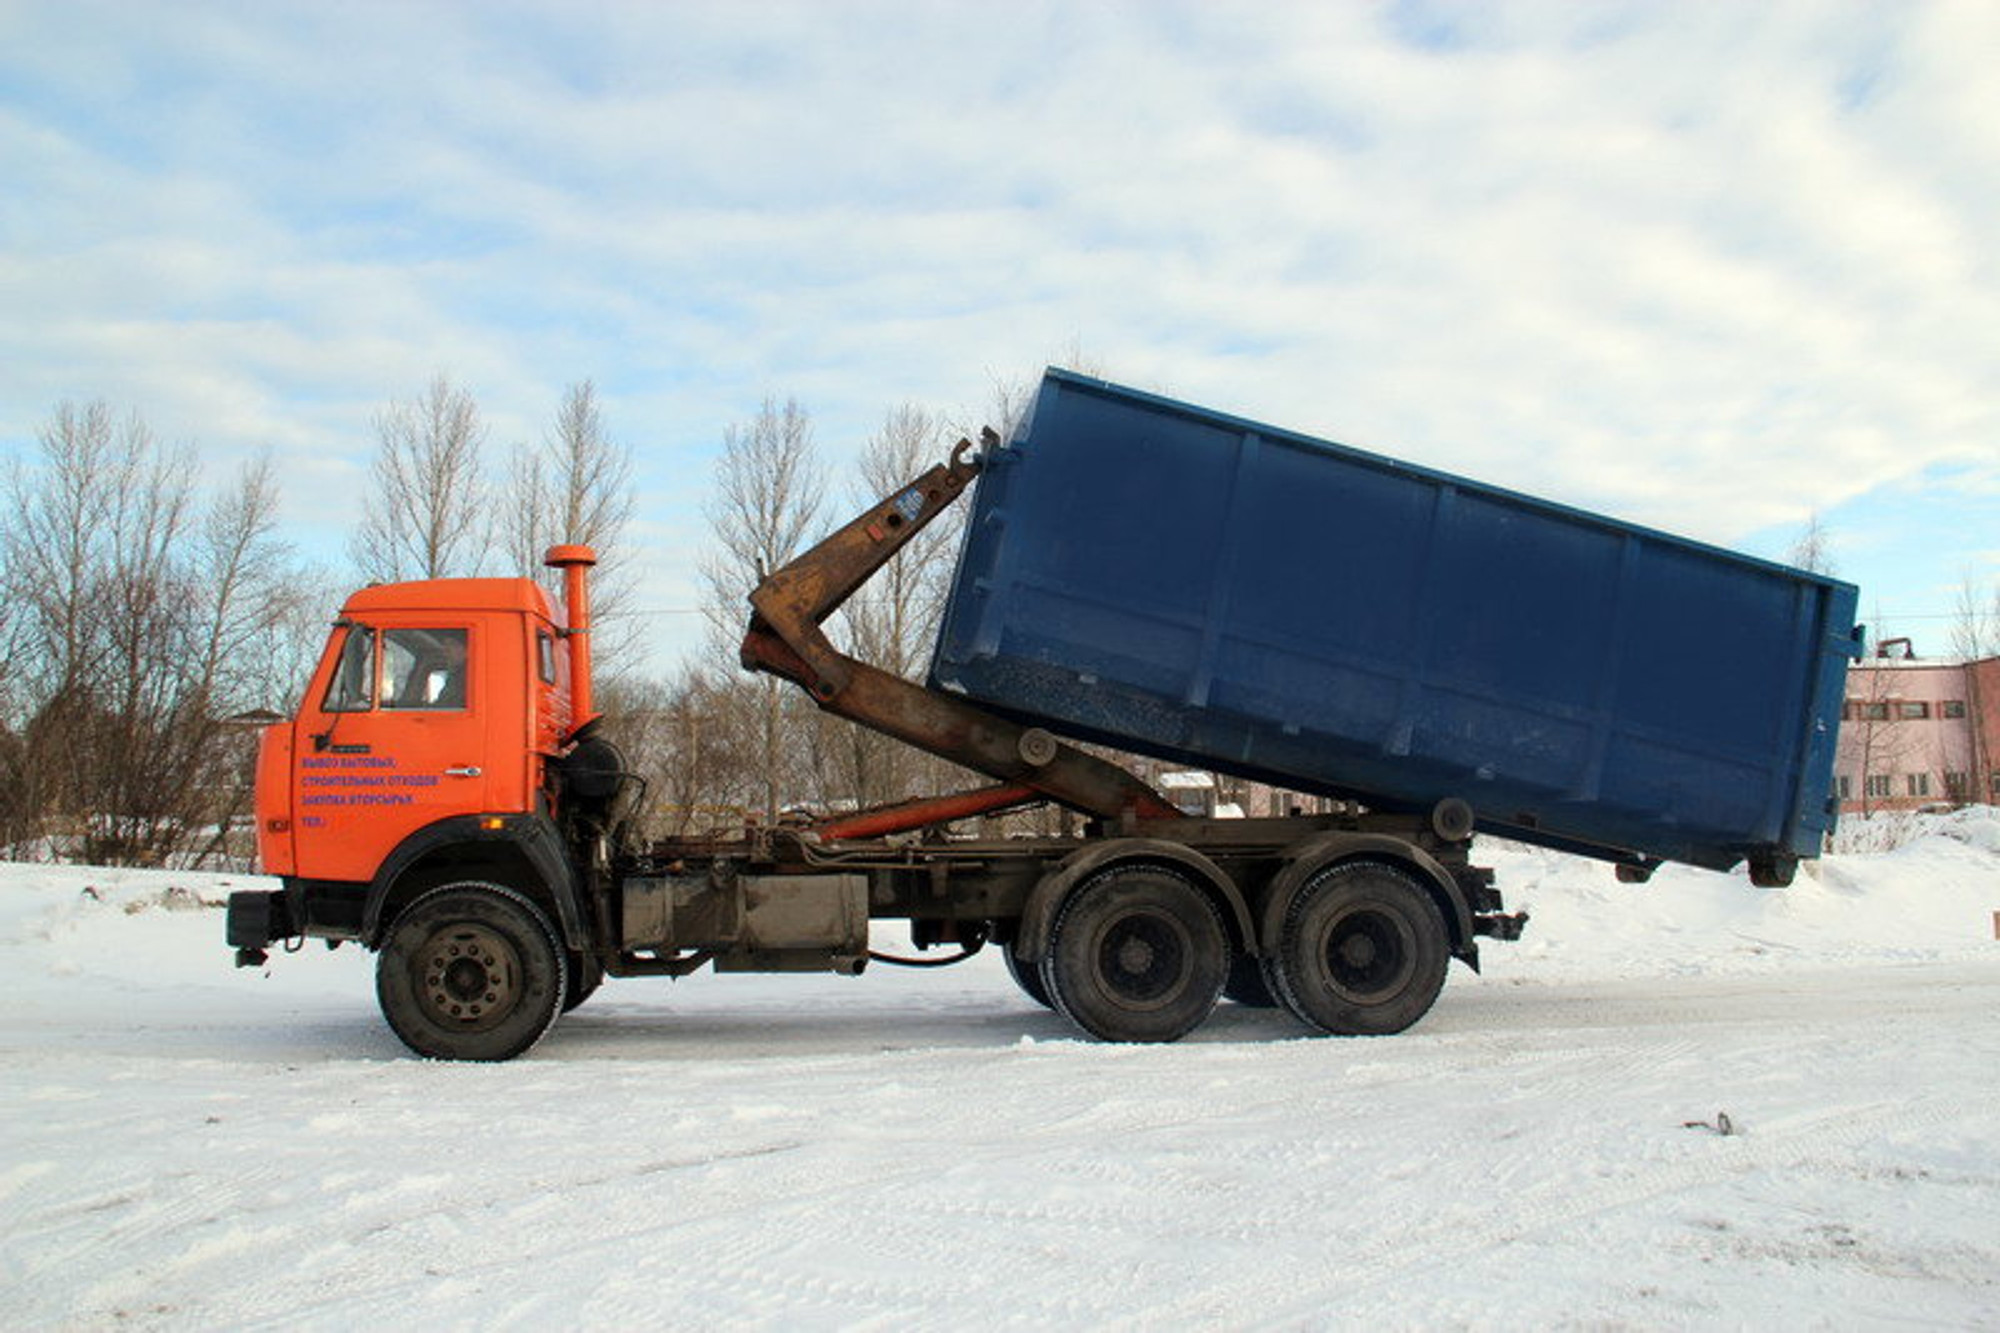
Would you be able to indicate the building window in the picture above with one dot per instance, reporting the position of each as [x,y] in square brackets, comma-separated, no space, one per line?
[1920,784]
[1912,712]
[1952,708]
[1877,712]
[1956,785]
[1993,783]
[1877,784]
[1843,787]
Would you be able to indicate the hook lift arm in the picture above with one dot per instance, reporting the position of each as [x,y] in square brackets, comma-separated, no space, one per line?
[785,639]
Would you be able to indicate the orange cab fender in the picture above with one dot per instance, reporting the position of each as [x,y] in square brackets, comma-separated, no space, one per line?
[1031,941]
[523,852]
[1306,859]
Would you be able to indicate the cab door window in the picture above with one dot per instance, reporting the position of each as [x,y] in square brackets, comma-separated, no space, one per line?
[424,669]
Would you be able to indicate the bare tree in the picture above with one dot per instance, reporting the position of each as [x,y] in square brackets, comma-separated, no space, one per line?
[60,512]
[241,569]
[426,516]
[17,771]
[895,617]
[1975,625]
[148,716]
[1011,400]
[139,642]
[1812,549]
[690,738]
[255,631]
[576,486]
[297,631]
[893,620]
[769,487]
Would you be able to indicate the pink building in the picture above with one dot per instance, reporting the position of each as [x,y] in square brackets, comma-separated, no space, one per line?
[1982,680]
[1917,734]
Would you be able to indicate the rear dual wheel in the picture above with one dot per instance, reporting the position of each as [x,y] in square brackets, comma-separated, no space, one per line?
[1137,953]
[1362,951]
[471,971]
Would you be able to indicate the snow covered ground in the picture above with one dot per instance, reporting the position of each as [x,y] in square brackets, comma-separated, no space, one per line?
[183,1145]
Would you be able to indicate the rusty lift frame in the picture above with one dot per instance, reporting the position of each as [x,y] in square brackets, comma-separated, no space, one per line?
[785,638]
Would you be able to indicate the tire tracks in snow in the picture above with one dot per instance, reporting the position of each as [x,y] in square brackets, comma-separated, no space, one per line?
[1489,1225]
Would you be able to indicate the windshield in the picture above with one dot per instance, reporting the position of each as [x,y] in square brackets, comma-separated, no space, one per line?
[352,689]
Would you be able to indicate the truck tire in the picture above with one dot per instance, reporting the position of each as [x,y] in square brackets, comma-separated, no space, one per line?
[471,971]
[1136,954]
[1362,951]
[1246,984]
[1028,977]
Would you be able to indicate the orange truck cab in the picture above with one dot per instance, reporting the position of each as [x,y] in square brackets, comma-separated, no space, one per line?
[445,736]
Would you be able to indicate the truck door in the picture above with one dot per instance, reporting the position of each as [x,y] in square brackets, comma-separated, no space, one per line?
[395,742]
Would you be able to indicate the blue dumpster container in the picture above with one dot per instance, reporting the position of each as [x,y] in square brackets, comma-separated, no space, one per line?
[1170,580]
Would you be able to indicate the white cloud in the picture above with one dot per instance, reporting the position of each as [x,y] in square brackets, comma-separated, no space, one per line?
[1711,268]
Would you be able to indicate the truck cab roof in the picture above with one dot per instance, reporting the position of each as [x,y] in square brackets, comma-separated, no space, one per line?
[522,595]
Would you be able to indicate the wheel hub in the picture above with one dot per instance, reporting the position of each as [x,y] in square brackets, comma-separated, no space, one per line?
[470,975]
[1366,954]
[1143,959]
[464,979]
[1134,957]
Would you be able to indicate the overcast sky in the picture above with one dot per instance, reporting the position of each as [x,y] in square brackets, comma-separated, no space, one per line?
[1711,267]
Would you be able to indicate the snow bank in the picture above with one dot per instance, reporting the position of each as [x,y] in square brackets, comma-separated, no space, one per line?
[1925,888]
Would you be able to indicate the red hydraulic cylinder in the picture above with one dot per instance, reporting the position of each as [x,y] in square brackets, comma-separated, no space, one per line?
[932,810]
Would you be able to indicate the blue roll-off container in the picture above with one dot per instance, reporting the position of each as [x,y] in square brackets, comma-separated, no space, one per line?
[1165,579]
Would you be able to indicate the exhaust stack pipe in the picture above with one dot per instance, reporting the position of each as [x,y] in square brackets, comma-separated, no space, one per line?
[575,563]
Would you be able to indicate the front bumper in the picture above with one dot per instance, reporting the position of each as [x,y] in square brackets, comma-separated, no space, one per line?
[256,919]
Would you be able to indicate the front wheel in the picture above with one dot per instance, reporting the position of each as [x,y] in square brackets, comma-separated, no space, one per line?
[1136,954]
[471,972]
[1363,951]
